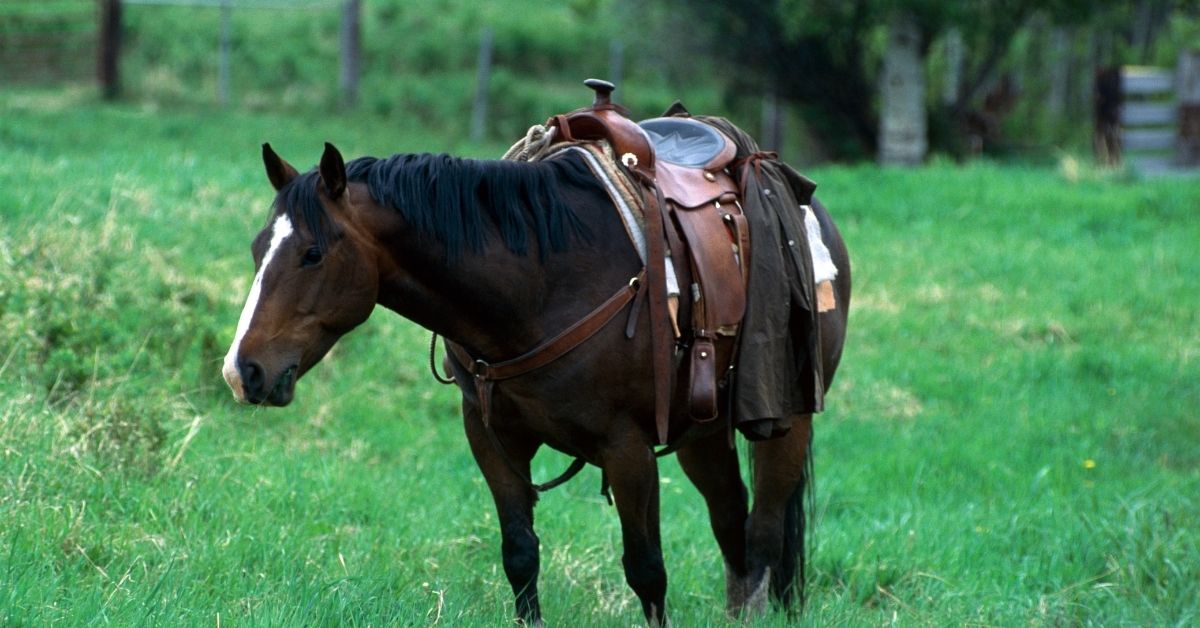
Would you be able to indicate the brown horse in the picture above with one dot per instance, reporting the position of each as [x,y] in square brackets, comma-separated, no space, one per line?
[498,256]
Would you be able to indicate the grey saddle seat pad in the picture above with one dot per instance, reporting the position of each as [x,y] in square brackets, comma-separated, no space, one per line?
[682,141]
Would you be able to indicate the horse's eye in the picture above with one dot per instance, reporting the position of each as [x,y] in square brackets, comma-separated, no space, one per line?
[312,257]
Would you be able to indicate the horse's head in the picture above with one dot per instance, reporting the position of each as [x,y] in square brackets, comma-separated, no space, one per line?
[316,279]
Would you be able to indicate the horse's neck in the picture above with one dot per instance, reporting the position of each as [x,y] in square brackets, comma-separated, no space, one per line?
[488,301]
[497,303]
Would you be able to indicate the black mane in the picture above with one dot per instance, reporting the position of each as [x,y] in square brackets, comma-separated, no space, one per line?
[449,198]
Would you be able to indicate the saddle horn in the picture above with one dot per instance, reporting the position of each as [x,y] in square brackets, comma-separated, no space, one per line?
[603,89]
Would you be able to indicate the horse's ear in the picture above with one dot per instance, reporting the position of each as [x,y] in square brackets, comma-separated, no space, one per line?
[333,172]
[279,171]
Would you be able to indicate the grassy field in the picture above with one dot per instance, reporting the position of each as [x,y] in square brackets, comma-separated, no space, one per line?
[1014,437]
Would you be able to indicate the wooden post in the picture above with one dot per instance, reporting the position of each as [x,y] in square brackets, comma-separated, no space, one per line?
[1187,83]
[771,137]
[482,80]
[108,68]
[223,51]
[350,40]
[616,61]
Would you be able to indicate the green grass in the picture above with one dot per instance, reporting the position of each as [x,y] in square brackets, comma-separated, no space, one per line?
[1012,438]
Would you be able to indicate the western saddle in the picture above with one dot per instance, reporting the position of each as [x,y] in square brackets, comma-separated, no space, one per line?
[693,220]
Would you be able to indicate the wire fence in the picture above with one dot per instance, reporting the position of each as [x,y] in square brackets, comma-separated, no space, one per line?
[47,42]
[290,5]
[56,41]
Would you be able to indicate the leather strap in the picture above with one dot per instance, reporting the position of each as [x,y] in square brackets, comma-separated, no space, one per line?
[550,350]
[572,470]
[486,374]
[564,129]
[662,335]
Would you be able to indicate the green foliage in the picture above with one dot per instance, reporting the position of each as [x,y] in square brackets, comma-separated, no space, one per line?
[418,59]
[64,319]
[1010,439]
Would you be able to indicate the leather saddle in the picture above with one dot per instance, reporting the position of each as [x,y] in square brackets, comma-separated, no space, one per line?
[682,165]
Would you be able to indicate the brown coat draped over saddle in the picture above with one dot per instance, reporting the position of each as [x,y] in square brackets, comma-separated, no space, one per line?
[779,373]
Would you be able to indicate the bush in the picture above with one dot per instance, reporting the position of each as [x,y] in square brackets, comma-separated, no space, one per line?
[86,314]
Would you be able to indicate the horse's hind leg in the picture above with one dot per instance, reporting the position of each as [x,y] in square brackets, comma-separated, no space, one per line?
[712,466]
[775,530]
[633,476]
[514,505]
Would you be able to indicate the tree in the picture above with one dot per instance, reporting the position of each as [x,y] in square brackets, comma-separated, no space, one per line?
[822,56]
[903,135]
[816,55]
[808,56]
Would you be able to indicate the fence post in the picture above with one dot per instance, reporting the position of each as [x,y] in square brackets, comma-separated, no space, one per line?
[1187,83]
[351,34]
[771,134]
[616,61]
[109,62]
[482,80]
[223,51]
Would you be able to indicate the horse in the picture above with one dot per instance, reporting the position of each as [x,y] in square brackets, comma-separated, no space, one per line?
[496,257]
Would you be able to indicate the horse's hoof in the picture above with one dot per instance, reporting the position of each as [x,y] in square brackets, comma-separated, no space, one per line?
[746,597]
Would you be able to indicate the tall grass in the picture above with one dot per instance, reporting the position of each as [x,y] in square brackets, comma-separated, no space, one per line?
[1012,437]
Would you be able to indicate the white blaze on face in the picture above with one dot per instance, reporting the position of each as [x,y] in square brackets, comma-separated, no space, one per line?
[280,230]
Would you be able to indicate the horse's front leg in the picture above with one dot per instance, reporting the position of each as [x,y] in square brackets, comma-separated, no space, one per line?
[633,475]
[514,505]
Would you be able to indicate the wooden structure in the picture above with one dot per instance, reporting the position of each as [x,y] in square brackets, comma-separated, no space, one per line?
[1188,147]
[1160,115]
[109,49]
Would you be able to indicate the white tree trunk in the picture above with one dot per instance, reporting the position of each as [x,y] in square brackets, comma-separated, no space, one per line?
[903,136]
[1060,71]
[954,67]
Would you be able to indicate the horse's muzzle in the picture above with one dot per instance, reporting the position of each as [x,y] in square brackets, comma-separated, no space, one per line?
[251,380]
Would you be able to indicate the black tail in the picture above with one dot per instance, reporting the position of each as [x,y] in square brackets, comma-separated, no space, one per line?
[791,577]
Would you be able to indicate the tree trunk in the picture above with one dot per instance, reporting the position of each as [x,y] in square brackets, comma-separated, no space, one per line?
[903,133]
[1060,72]
[952,84]
[1149,17]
